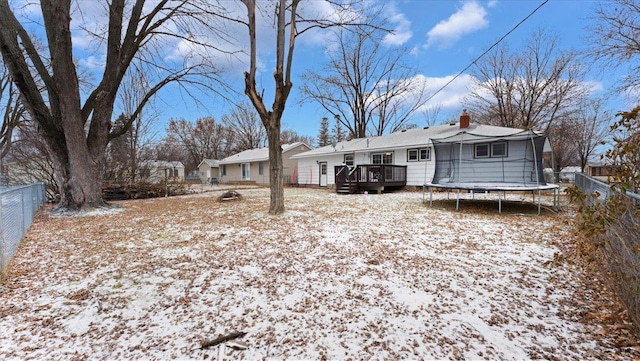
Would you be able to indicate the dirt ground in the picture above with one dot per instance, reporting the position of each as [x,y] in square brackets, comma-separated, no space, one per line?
[335,277]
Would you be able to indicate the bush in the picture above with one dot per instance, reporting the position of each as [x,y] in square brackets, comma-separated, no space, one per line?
[613,226]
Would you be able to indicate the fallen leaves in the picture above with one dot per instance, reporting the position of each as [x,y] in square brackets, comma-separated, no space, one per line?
[356,277]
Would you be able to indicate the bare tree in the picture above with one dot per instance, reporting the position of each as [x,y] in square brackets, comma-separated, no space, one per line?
[27,159]
[289,24]
[625,150]
[592,127]
[248,131]
[615,39]
[431,115]
[139,135]
[291,136]
[202,140]
[14,111]
[565,149]
[366,82]
[76,128]
[531,88]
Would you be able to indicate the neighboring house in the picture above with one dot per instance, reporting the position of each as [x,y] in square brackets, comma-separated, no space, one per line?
[26,171]
[402,158]
[253,165]
[601,171]
[155,171]
[209,171]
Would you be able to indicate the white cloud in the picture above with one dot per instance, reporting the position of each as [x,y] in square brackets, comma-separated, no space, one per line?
[402,32]
[450,98]
[469,18]
[92,63]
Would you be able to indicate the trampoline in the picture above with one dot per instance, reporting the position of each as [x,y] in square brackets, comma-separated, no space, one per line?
[505,161]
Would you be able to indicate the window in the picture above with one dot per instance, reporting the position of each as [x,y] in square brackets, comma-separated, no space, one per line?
[175,173]
[348,160]
[224,170]
[425,153]
[382,158]
[499,149]
[261,168]
[412,155]
[486,150]
[145,172]
[481,151]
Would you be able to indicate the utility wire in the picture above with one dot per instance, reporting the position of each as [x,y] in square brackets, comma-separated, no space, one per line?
[486,51]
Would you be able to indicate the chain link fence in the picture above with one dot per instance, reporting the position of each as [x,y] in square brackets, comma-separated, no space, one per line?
[17,208]
[621,241]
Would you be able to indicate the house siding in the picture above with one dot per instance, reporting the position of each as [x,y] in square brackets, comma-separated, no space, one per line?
[309,169]
[511,168]
[206,172]
[234,170]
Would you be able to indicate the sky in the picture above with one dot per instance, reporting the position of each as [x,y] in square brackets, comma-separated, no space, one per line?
[443,38]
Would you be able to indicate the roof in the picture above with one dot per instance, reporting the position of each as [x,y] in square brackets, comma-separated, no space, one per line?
[162,164]
[481,135]
[257,154]
[210,162]
[417,137]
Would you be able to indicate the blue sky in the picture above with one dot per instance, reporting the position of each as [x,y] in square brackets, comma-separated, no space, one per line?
[444,36]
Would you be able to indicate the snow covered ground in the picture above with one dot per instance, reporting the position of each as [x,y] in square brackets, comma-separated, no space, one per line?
[335,277]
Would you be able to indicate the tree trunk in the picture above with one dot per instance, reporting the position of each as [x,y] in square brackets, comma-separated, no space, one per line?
[276,181]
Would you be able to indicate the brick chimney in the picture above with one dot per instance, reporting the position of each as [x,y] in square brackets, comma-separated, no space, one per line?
[465,119]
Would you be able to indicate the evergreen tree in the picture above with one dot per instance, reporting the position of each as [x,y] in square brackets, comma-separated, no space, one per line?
[338,133]
[323,135]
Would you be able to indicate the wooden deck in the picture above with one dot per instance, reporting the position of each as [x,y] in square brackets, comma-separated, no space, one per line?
[370,177]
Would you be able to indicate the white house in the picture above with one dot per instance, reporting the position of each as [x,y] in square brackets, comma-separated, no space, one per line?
[253,165]
[156,171]
[411,152]
[209,171]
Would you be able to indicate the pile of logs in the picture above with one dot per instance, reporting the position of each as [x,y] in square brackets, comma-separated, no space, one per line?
[113,192]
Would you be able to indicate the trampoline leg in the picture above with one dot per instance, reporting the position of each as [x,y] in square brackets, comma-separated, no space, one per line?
[499,203]
[458,200]
[538,202]
[430,197]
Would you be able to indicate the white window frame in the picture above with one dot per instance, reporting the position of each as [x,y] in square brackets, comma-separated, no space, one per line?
[493,153]
[428,152]
[416,155]
[475,150]
[382,157]
[350,162]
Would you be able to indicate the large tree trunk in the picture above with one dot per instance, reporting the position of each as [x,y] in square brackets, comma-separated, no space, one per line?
[276,181]
[79,186]
[79,180]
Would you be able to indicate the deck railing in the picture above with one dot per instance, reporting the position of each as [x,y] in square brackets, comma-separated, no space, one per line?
[370,176]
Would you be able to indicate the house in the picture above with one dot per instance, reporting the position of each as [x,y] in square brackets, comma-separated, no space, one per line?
[408,157]
[209,171]
[156,171]
[601,171]
[252,166]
